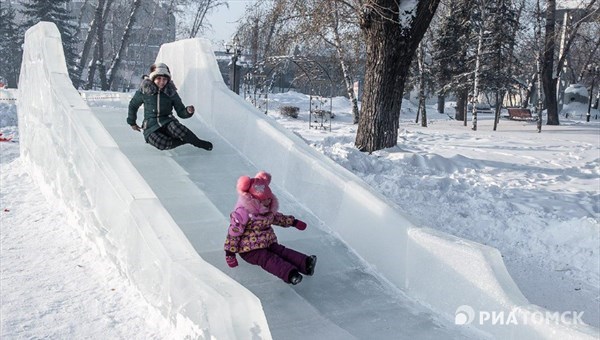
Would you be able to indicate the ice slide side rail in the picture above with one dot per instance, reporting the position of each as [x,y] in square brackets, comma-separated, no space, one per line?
[439,270]
[112,202]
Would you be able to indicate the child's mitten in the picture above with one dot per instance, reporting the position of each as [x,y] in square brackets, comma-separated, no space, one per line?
[299,224]
[231,261]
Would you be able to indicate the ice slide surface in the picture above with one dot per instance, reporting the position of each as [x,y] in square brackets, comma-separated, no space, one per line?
[343,300]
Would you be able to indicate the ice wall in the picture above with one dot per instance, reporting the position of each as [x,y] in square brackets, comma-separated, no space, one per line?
[78,163]
[441,271]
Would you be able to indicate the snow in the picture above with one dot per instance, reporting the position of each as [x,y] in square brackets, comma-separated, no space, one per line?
[533,196]
[577,89]
[54,283]
[498,188]
[79,166]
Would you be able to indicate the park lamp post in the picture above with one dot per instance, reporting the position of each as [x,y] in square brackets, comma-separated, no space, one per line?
[235,49]
[593,69]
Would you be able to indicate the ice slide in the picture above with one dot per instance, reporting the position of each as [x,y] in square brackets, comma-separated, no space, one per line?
[162,216]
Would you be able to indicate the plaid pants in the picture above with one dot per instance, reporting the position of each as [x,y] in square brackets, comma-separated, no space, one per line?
[169,136]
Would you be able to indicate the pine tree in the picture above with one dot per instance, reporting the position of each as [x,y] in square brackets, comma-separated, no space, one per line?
[498,55]
[56,11]
[10,47]
[452,60]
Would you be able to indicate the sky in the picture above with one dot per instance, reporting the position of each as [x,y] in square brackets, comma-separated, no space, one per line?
[223,20]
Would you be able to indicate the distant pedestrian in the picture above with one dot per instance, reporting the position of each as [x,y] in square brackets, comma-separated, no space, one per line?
[251,235]
[159,96]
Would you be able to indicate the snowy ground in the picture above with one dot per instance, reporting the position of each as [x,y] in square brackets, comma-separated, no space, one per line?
[533,196]
[53,284]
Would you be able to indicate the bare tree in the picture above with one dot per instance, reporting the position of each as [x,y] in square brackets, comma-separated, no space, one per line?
[340,46]
[477,73]
[193,16]
[392,31]
[112,71]
[90,37]
[336,23]
[550,70]
[273,28]
[452,54]
[421,66]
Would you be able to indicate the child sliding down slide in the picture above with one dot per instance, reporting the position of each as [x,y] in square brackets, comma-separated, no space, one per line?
[251,235]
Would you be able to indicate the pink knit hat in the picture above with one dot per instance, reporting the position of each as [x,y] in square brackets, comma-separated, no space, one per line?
[258,186]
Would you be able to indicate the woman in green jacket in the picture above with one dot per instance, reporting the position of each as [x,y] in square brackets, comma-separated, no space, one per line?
[159,96]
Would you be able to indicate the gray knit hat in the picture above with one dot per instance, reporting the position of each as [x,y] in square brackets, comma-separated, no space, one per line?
[161,69]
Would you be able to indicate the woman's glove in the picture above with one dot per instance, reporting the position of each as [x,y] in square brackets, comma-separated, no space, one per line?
[231,261]
[299,224]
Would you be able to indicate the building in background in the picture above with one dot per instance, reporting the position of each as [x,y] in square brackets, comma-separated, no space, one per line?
[154,26]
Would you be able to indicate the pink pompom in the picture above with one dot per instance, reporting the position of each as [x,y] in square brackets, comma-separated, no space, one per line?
[243,184]
[264,175]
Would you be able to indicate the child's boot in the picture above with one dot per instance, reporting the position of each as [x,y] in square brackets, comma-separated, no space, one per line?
[295,277]
[311,262]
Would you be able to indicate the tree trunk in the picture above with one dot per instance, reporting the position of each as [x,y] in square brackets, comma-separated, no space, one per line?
[390,50]
[421,63]
[497,109]
[274,18]
[91,35]
[92,70]
[548,79]
[347,79]
[441,102]
[461,105]
[100,60]
[254,43]
[529,91]
[144,42]
[383,89]
[114,67]
[198,20]
[476,73]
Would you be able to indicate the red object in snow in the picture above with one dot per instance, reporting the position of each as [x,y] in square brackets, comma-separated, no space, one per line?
[5,139]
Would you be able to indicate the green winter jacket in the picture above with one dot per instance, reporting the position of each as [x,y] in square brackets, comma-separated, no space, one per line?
[158,107]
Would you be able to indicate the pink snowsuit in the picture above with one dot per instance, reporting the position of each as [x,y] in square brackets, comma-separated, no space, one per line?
[252,236]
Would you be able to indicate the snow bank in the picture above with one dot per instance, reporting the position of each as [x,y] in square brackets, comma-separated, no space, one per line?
[440,270]
[68,151]
[7,108]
